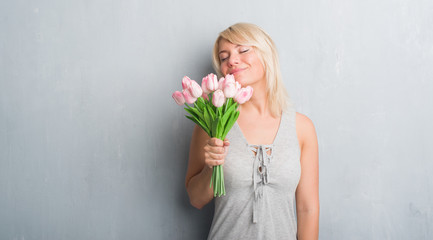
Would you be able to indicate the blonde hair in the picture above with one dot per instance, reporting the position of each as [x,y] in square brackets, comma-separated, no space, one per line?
[252,35]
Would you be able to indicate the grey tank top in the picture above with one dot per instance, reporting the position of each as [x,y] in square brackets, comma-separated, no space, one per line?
[260,183]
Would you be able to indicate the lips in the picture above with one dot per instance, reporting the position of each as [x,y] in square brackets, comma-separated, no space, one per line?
[234,71]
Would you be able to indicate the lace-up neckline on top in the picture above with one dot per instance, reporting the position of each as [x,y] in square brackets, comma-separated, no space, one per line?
[262,156]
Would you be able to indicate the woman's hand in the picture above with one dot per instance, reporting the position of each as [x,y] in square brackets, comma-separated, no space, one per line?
[215,152]
[204,154]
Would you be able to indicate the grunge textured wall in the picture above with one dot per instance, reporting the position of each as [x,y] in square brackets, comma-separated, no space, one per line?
[93,147]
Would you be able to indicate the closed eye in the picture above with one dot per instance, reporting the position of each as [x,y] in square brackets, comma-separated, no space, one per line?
[241,51]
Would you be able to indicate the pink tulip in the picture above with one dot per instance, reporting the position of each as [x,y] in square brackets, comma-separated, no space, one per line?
[229,79]
[188,97]
[186,82]
[209,83]
[238,86]
[221,83]
[204,86]
[178,98]
[230,90]
[195,89]
[244,95]
[218,98]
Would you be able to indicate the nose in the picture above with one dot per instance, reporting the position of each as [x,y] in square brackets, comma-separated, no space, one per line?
[233,59]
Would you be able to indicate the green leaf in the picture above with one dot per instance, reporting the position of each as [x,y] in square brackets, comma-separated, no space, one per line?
[206,118]
[193,119]
[219,111]
[215,127]
[191,112]
[232,119]
[230,123]
[194,112]
[199,123]
[201,100]
[211,112]
[210,95]
[228,113]
[220,129]
[200,104]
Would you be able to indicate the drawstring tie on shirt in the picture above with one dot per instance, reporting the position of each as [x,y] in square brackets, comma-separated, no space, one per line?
[260,176]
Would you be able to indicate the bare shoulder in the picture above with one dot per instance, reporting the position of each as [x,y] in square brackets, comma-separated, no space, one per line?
[303,121]
[305,130]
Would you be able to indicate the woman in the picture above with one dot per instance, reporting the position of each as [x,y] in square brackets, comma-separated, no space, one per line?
[270,155]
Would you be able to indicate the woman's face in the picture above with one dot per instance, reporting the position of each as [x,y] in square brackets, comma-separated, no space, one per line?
[242,61]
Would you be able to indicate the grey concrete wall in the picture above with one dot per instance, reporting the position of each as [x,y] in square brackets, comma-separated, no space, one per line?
[93,147]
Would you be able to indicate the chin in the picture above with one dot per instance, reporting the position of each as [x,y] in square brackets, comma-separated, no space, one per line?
[244,82]
[239,79]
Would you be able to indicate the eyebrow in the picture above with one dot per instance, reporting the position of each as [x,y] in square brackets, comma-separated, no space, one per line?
[237,45]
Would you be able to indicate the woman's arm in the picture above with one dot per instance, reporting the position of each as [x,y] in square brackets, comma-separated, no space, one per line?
[204,153]
[307,193]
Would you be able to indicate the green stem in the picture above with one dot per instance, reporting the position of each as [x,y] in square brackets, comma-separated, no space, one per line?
[223,185]
[218,180]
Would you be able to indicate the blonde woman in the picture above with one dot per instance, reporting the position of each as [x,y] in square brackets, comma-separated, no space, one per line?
[270,156]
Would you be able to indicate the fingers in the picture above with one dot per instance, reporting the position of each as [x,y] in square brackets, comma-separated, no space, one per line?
[213,163]
[216,142]
[226,145]
[213,149]
[215,152]
[214,156]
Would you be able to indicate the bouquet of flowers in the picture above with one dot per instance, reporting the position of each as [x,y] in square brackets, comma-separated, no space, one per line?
[215,109]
